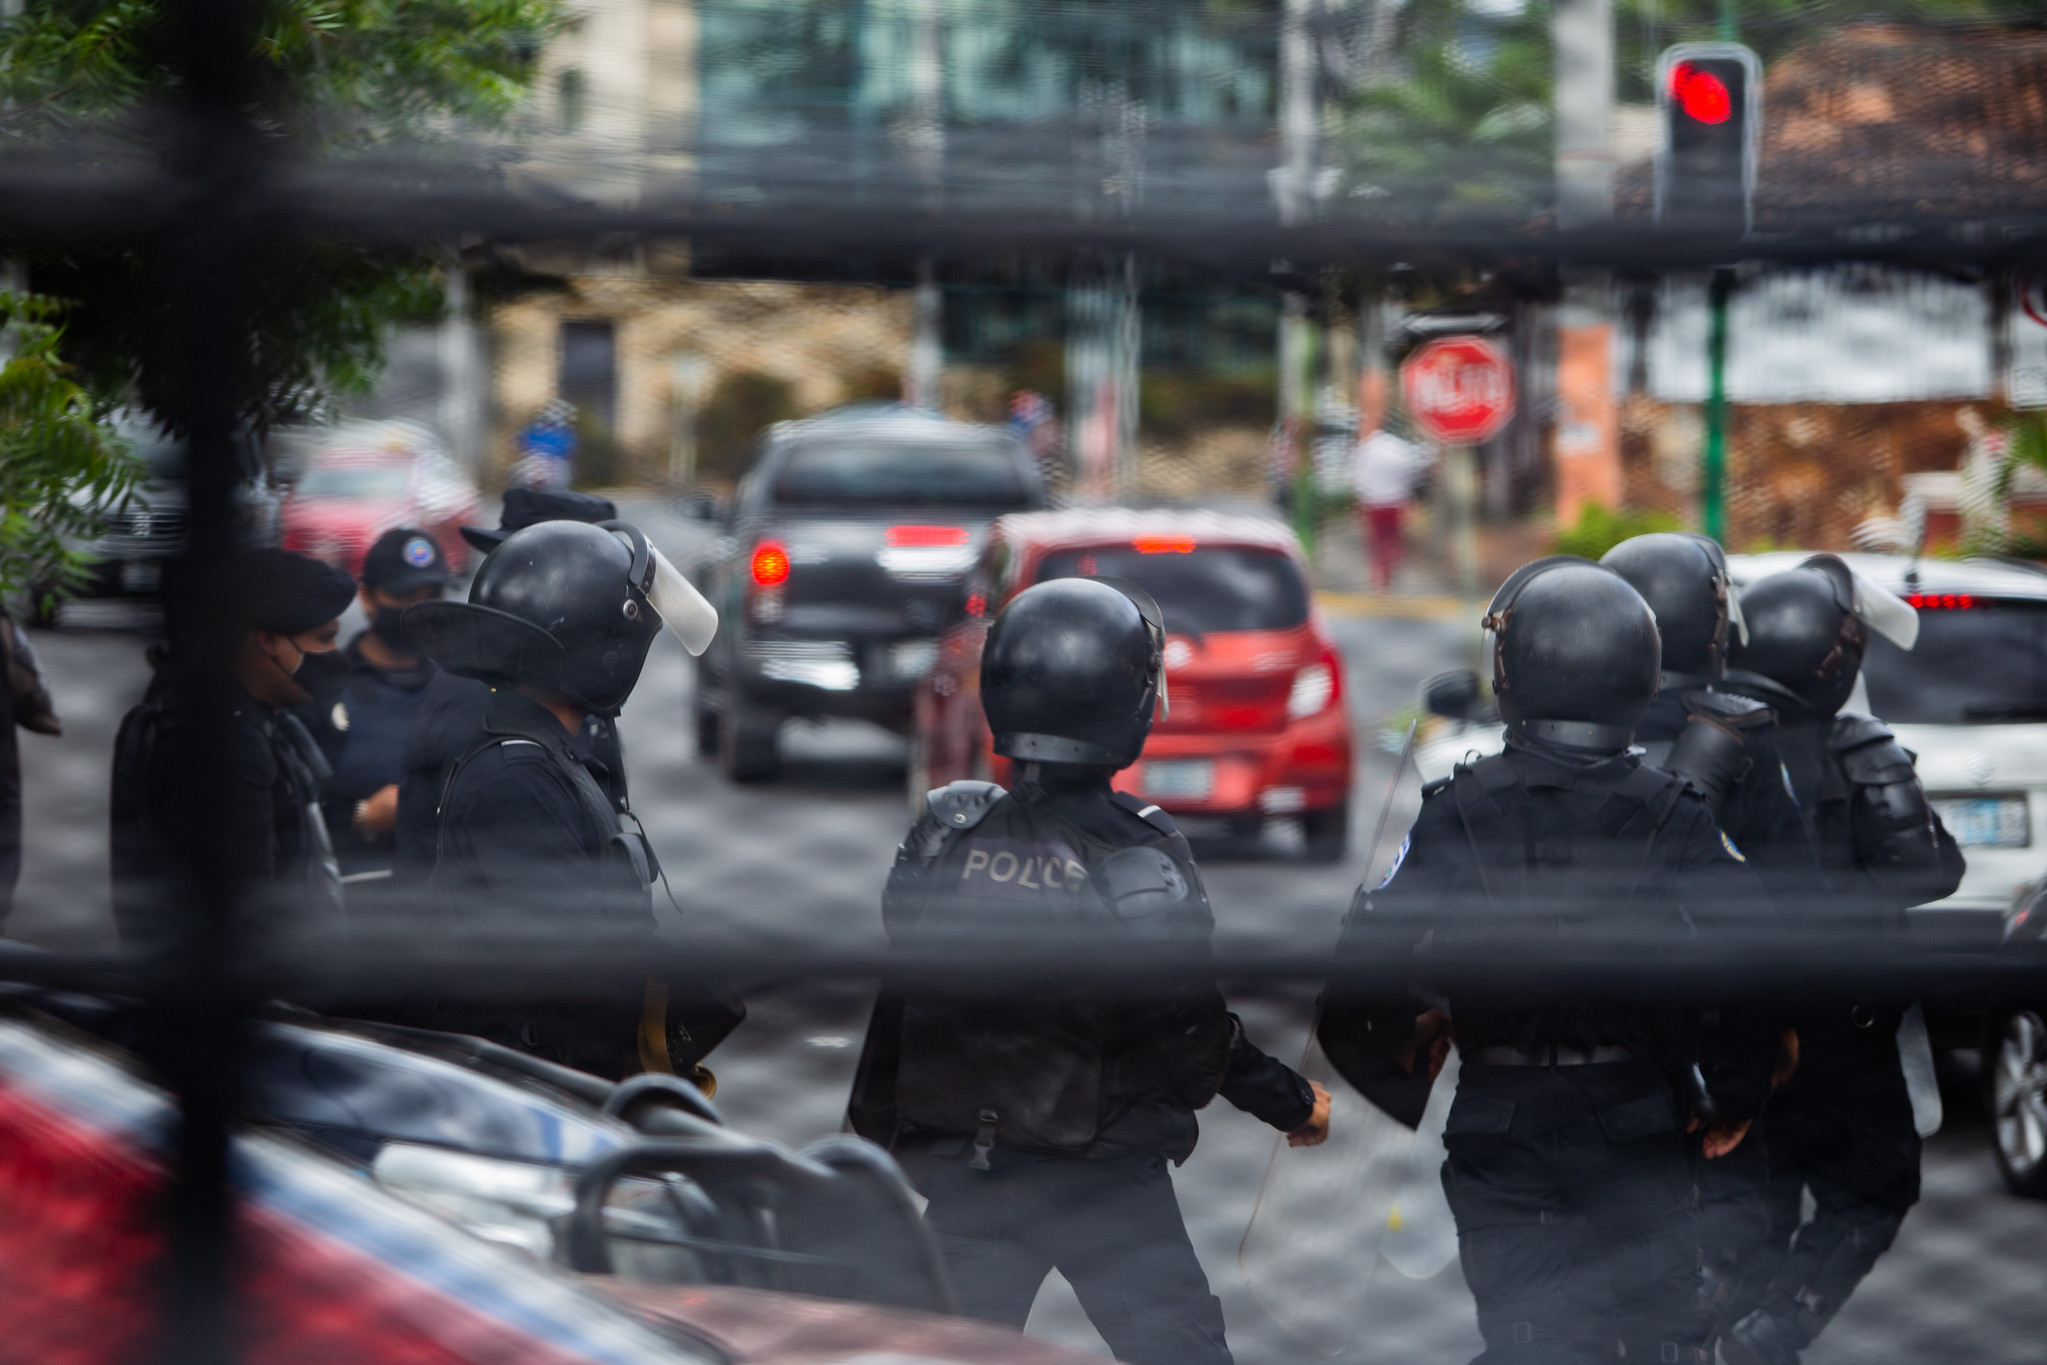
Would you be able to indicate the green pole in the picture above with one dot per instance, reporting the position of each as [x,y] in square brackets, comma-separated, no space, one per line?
[1713,480]
[1728,32]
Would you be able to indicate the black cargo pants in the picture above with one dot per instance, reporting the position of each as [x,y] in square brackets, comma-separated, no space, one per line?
[1843,1129]
[1572,1188]
[1112,1227]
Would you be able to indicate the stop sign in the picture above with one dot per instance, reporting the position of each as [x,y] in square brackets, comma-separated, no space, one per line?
[1460,389]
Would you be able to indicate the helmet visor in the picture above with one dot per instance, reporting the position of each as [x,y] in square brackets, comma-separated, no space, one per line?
[688,616]
[1878,608]
[1154,625]
[684,610]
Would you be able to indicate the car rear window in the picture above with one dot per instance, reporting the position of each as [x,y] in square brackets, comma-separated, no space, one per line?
[1986,661]
[381,483]
[834,473]
[1199,590]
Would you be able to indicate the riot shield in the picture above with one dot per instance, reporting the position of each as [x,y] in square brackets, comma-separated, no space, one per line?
[1323,1214]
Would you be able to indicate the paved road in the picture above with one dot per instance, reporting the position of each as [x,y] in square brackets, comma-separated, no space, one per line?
[805,857]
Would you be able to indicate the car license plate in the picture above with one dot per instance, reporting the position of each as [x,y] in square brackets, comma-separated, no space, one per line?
[1185,777]
[1986,821]
[141,575]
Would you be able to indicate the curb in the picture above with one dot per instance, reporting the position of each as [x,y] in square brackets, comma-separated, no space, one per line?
[1357,605]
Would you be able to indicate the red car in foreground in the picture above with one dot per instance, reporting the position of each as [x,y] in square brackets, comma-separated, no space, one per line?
[1254,725]
[366,479]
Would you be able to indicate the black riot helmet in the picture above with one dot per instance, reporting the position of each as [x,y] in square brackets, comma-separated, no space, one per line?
[1683,578]
[1575,654]
[569,607]
[1072,672]
[1809,627]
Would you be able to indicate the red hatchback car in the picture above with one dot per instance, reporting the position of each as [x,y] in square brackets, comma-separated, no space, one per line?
[1254,724]
[367,478]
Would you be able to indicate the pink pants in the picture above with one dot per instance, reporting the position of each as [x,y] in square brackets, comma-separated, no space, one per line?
[1382,529]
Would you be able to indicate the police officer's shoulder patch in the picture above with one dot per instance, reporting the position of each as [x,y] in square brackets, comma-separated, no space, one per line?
[522,751]
[962,805]
[1732,851]
[1399,857]
[1146,811]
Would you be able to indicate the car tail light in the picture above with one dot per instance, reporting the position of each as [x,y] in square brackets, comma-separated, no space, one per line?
[1941,601]
[925,537]
[1163,545]
[770,564]
[1314,689]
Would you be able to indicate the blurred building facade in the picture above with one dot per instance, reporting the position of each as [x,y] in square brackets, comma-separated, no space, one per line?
[675,356]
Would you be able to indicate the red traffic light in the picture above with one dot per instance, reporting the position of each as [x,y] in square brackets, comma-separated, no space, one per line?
[1701,94]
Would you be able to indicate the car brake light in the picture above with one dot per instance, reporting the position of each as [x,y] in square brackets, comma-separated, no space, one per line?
[977,603]
[1941,601]
[1164,545]
[919,537]
[770,564]
[1314,690]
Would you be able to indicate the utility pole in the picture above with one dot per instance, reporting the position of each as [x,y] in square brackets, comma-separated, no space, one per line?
[1293,188]
[927,150]
[1588,464]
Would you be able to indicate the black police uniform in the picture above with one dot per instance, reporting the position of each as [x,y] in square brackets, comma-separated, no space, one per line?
[360,715]
[1568,1168]
[270,825]
[1843,1126]
[450,714]
[1726,746]
[1041,1129]
[530,843]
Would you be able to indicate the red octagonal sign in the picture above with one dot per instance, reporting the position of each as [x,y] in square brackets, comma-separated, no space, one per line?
[1459,389]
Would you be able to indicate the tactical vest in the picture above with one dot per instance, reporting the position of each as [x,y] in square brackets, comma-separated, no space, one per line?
[1567,880]
[625,863]
[1046,1072]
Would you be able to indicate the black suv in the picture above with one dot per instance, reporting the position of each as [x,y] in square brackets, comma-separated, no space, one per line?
[843,558]
[147,531]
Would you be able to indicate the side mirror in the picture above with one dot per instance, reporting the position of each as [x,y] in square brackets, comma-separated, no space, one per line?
[1454,695]
[699,504]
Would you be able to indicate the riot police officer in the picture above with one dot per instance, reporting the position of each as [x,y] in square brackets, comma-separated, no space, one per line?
[1568,1170]
[1040,1127]
[558,622]
[288,608]
[451,710]
[1842,1127]
[1725,745]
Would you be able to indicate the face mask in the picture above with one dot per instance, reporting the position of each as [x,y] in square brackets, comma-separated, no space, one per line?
[388,625]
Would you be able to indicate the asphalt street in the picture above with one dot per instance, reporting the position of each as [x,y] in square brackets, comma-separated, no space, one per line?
[803,859]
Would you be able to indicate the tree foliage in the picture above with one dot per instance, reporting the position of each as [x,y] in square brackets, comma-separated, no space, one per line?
[1455,118]
[339,78]
[60,468]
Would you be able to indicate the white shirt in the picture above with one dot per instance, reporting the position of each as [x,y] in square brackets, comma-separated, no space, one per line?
[1386,468]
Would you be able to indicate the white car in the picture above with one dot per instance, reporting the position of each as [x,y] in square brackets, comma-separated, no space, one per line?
[1970,700]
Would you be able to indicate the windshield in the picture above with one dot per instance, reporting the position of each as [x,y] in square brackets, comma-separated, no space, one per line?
[368,483]
[1985,662]
[1226,588]
[906,475]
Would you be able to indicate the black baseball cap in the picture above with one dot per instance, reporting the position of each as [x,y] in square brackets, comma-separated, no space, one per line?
[285,592]
[405,558]
[530,506]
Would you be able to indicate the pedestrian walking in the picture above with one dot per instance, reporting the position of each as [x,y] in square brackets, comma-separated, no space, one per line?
[1385,473]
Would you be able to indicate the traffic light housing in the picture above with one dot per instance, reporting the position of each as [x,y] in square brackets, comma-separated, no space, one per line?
[1709,104]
